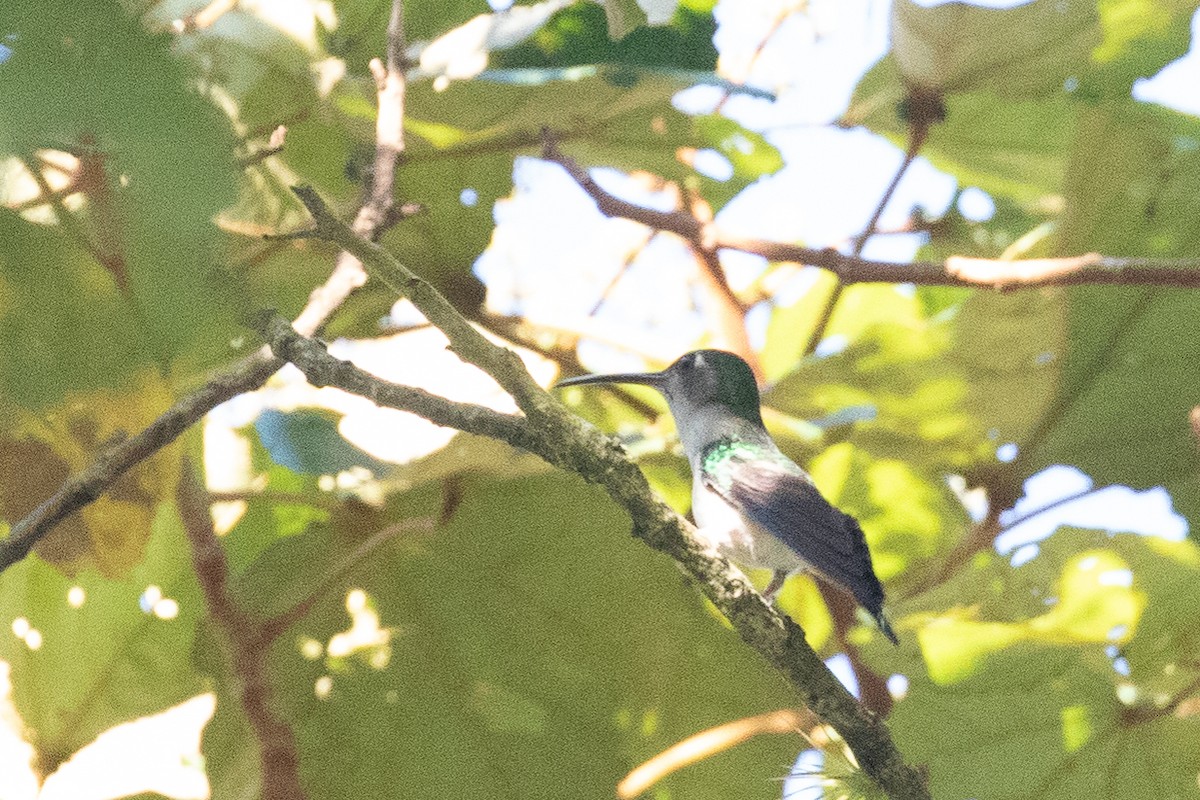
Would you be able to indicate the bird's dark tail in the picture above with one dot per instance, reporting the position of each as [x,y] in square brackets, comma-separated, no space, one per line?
[886,628]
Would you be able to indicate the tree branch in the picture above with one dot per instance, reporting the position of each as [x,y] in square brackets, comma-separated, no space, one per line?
[247,655]
[275,626]
[708,743]
[322,369]
[983,273]
[248,374]
[564,440]
[471,346]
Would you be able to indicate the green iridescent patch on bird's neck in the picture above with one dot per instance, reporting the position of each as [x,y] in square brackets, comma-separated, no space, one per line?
[720,456]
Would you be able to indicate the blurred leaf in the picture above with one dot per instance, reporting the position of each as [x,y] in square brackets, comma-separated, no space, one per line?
[63,324]
[101,659]
[749,154]
[465,454]
[1122,412]
[307,441]
[625,15]
[1140,38]
[579,34]
[1013,147]
[110,533]
[265,71]
[791,326]
[1018,678]
[155,165]
[945,390]
[476,652]
[1129,180]
[361,31]
[464,51]
[1020,52]
[30,472]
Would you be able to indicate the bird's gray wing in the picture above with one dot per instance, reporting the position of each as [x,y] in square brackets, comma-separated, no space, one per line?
[789,507]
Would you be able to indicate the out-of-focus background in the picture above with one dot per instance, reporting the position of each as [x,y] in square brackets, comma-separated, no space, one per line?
[1024,463]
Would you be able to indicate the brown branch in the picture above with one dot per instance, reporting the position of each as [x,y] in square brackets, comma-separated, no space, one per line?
[872,687]
[564,440]
[272,628]
[678,222]
[322,369]
[782,14]
[83,488]
[984,273]
[704,744]
[377,212]
[965,271]
[729,312]
[247,656]
[250,372]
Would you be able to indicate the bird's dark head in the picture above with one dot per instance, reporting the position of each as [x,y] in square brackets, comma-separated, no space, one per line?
[698,385]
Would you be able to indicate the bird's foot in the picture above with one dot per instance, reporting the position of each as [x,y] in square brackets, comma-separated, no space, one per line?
[777,580]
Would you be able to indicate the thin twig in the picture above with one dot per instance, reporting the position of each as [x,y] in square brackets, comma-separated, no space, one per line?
[322,369]
[248,658]
[377,212]
[980,273]
[729,312]
[708,743]
[1059,503]
[272,628]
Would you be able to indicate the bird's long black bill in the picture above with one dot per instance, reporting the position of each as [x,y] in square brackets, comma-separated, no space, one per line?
[654,379]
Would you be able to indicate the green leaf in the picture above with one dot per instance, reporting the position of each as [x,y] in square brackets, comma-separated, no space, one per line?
[1122,412]
[101,659]
[579,34]
[1022,52]
[1012,673]
[945,390]
[749,154]
[467,683]
[63,324]
[42,450]
[1012,146]
[1140,38]
[791,326]
[154,166]
[265,69]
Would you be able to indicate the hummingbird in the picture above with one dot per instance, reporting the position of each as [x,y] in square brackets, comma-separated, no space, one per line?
[753,504]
